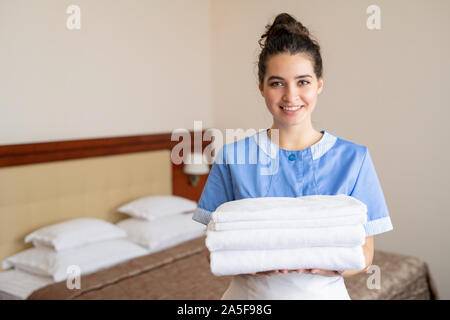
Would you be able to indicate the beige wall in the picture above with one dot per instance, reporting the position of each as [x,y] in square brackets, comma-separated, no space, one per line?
[139,67]
[134,67]
[386,89]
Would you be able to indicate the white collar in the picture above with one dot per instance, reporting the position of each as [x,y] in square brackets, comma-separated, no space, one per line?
[317,149]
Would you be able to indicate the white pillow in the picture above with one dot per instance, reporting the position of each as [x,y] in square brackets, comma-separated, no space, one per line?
[155,207]
[162,233]
[74,233]
[48,262]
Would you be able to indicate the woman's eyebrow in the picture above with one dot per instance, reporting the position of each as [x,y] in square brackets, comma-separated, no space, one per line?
[280,78]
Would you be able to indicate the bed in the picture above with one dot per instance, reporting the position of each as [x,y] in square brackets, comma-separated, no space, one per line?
[92,178]
[182,273]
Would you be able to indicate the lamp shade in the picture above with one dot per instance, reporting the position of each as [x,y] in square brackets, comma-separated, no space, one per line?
[195,164]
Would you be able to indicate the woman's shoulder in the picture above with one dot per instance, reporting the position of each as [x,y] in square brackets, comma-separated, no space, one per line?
[248,147]
[234,152]
[347,146]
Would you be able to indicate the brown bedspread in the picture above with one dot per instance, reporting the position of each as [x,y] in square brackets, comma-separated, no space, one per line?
[182,272]
[402,278]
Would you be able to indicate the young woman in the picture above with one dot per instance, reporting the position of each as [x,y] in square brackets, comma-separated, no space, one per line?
[301,161]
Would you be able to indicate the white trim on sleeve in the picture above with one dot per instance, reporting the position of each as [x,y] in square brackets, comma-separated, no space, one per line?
[201,215]
[378,226]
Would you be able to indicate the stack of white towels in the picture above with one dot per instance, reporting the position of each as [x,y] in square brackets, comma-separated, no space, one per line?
[261,234]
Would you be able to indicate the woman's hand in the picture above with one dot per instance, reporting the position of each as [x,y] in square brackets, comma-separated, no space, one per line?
[322,272]
[327,273]
[271,272]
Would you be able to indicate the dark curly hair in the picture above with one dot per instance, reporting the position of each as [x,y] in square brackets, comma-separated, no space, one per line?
[286,34]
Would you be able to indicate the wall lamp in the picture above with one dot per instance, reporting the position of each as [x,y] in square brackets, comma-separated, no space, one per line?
[195,165]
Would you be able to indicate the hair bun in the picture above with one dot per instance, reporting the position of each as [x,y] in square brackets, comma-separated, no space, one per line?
[284,23]
[287,35]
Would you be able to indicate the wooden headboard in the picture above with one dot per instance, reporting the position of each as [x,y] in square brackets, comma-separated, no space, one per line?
[46,183]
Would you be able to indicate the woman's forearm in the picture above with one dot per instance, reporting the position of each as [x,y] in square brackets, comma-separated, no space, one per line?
[349,273]
[368,255]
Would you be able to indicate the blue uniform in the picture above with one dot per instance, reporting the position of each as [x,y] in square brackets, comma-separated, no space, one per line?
[256,167]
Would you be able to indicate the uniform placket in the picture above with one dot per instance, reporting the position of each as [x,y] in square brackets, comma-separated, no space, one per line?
[308,182]
[295,160]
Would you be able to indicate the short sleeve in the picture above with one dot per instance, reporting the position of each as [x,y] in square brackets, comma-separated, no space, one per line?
[368,190]
[218,189]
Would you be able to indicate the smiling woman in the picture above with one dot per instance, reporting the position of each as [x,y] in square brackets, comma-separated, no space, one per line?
[306,161]
[290,79]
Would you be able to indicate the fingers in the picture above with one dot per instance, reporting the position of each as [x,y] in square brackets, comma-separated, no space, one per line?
[329,273]
[302,270]
[268,272]
[285,271]
[322,272]
[265,272]
[297,271]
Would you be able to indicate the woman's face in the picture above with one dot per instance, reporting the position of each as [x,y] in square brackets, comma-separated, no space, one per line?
[290,82]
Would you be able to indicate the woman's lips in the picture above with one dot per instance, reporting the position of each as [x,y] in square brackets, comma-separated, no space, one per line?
[290,112]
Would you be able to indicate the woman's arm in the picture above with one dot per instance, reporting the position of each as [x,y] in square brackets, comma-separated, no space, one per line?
[368,254]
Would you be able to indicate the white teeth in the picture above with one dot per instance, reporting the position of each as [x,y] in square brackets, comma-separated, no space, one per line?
[290,109]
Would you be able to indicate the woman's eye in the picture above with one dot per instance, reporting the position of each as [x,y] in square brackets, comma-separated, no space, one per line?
[277,83]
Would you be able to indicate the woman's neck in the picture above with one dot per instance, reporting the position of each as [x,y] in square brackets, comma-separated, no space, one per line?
[296,137]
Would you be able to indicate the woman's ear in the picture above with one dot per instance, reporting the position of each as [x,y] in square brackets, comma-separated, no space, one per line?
[261,89]
[320,86]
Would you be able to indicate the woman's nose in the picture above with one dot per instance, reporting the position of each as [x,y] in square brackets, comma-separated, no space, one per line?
[291,95]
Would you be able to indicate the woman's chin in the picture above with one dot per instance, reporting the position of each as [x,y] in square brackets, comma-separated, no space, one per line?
[292,122]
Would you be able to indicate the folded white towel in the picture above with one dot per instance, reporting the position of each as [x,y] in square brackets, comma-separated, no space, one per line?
[286,208]
[233,262]
[267,239]
[283,224]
